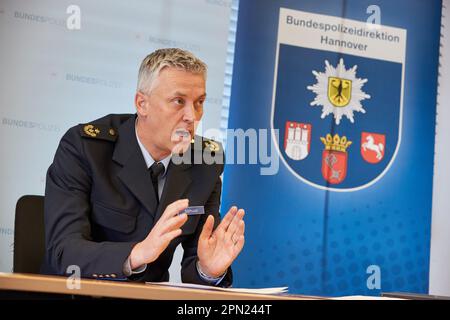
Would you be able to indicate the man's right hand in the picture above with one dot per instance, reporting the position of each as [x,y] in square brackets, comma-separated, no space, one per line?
[165,230]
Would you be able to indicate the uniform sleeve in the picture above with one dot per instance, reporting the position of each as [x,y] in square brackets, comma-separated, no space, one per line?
[189,272]
[67,222]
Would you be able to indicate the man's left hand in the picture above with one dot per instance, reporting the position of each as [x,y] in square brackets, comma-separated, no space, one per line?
[217,250]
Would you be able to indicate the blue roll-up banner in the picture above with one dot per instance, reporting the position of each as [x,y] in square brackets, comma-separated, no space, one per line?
[337,101]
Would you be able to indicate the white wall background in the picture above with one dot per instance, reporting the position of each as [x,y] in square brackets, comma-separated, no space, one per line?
[440,232]
[53,78]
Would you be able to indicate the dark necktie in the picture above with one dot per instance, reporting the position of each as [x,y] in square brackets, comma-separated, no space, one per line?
[156,170]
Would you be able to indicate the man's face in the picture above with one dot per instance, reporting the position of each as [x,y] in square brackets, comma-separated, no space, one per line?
[171,111]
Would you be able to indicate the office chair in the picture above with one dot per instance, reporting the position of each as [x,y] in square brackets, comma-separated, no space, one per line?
[29,236]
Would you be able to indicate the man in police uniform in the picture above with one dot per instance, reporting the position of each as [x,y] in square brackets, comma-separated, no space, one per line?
[115,196]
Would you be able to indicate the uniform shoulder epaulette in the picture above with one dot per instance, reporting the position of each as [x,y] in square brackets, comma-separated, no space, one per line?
[200,144]
[211,145]
[98,131]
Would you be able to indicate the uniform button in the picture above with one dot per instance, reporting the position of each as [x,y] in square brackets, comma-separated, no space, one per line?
[106,275]
[100,276]
[95,275]
[113,275]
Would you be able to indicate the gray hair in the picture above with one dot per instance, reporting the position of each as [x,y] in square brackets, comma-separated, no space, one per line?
[152,65]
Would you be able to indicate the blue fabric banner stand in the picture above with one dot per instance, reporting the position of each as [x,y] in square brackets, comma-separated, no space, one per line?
[350,110]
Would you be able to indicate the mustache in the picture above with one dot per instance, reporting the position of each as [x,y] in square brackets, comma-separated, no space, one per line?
[184,132]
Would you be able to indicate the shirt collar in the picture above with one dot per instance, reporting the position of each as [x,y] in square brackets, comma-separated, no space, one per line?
[147,157]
